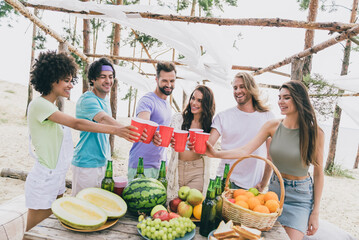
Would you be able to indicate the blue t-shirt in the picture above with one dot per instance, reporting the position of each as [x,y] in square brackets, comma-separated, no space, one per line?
[93,149]
[160,111]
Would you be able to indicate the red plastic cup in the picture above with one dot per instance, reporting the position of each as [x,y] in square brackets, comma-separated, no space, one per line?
[166,134]
[200,143]
[192,133]
[140,124]
[181,140]
[151,127]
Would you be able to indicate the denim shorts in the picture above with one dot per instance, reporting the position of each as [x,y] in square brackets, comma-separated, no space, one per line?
[298,202]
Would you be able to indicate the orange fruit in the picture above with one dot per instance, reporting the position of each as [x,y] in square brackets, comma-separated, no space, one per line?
[197,211]
[238,192]
[272,205]
[253,202]
[270,196]
[260,197]
[242,198]
[249,194]
[242,204]
[261,209]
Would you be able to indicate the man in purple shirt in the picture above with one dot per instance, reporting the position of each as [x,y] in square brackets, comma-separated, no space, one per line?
[153,106]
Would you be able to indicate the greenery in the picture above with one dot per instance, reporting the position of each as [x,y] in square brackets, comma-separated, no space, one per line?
[7,11]
[336,170]
[323,95]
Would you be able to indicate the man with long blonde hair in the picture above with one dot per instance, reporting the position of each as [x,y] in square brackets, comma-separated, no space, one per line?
[237,126]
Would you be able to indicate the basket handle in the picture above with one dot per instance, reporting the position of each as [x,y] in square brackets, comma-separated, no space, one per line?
[281,201]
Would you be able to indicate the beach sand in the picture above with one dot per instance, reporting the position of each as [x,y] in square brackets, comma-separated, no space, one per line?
[339,203]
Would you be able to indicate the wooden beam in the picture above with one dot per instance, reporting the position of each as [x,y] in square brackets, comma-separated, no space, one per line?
[260,22]
[24,11]
[332,41]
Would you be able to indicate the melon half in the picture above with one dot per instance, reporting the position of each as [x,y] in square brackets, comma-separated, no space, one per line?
[113,205]
[78,213]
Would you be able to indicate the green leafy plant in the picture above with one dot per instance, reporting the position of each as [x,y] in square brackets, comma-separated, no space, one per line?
[336,170]
[323,95]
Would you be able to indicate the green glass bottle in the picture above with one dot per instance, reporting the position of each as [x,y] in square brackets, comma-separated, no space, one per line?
[208,215]
[162,176]
[108,183]
[140,169]
[225,174]
[219,200]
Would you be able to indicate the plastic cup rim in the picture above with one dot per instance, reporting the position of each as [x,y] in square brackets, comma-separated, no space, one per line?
[152,123]
[180,131]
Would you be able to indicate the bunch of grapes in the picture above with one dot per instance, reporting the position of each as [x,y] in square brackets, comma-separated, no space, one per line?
[165,230]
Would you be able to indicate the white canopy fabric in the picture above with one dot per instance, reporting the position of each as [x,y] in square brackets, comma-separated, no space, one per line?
[134,79]
[350,107]
[185,38]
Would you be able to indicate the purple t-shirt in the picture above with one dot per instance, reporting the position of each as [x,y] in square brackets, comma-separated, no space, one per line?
[161,113]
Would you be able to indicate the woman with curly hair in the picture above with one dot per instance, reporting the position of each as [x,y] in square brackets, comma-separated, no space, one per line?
[53,76]
[297,143]
[189,168]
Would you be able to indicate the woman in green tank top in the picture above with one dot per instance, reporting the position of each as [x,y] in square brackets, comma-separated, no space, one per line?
[297,143]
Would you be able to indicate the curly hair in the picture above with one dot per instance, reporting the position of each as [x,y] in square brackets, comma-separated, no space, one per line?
[51,67]
[252,88]
[308,126]
[208,109]
[95,69]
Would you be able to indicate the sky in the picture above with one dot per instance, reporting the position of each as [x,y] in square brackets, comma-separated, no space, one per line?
[257,46]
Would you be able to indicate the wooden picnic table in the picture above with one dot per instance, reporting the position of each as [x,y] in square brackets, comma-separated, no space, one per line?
[125,228]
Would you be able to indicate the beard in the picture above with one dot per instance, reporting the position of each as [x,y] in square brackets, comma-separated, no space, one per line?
[167,93]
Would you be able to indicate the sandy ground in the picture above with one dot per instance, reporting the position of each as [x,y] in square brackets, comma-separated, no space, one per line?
[339,204]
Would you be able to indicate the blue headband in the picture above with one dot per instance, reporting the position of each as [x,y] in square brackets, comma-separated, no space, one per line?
[106,68]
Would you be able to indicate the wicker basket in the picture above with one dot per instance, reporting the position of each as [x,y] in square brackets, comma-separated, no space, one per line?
[249,218]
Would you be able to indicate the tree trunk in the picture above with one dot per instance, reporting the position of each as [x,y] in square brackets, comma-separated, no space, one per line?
[33,43]
[129,102]
[309,36]
[86,43]
[113,97]
[338,110]
[193,8]
[22,175]
[297,69]
[356,159]
[134,104]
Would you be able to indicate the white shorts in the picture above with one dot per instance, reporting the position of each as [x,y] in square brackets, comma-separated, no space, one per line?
[42,187]
[86,177]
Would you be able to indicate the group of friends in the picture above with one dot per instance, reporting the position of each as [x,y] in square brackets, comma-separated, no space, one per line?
[292,143]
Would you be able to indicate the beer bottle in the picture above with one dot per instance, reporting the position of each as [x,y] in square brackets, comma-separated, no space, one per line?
[162,176]
[208,214]
[219,200]
[226,170]
[108,183]
[140,169]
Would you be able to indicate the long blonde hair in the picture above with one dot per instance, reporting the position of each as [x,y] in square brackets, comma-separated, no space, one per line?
[252,88]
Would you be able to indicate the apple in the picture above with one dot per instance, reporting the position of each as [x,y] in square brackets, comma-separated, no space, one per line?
[232,200]
[185,209]
[162,215]
[183,192]
[156,209]
[174,204]
[254,191]
[172,215]
[194,197]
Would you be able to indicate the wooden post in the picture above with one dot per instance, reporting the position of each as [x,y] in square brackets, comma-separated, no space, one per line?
[338,110]
[297,69]
[33,43]
[356,163]
[86,42]
[113,96]
[309,36]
